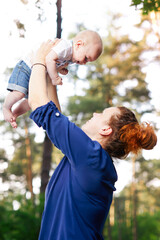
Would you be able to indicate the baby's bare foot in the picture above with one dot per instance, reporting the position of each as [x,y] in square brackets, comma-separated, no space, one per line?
[9,117]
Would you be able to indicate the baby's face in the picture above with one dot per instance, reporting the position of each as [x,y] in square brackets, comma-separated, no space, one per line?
[84,53]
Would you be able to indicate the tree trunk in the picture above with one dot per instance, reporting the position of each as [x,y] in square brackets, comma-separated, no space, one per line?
[46,163]
[29,158]
[109,228]
[134,201]
[118,210]
[48,147]
[59,18]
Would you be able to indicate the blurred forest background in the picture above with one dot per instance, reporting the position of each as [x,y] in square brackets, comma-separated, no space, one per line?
[118,77]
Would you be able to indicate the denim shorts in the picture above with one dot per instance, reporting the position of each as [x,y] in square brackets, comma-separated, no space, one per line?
[19,78]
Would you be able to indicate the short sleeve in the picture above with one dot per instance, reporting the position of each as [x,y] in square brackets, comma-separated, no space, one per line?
[63,50]
[66,136]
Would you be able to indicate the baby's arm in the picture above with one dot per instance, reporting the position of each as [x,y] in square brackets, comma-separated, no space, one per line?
[51,68]
[22,108]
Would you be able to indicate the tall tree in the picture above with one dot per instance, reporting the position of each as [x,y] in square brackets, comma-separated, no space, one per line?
[59,18]
[29,160]
[134,200]
[25,163]
[46,162]
[47,145]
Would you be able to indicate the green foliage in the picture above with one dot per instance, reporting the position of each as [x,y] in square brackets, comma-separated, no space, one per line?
[118,231]
[147,224]
[147,5]
[23,223]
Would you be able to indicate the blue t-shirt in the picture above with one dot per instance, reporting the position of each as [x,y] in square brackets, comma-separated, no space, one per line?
[79,193]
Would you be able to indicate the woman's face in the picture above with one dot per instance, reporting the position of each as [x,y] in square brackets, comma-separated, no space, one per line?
[99,121]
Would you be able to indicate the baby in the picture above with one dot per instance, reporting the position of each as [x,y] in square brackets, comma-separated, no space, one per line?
[85,47]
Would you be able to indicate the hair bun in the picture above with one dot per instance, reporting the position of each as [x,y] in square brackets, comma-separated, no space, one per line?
[148,138]
[138,136]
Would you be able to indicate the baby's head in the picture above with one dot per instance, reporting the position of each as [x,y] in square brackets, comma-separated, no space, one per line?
[87,47]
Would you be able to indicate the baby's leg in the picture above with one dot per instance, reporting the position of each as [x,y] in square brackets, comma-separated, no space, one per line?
[10,100]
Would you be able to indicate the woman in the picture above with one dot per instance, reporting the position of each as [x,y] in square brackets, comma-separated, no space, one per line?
[79,193]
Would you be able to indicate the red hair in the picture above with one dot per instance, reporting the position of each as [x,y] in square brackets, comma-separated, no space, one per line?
[128,135]
[138,136]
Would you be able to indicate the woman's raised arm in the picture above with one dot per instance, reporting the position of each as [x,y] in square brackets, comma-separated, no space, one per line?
[38,93]
[52,93]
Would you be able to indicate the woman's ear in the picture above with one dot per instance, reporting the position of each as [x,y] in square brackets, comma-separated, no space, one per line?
[105,131]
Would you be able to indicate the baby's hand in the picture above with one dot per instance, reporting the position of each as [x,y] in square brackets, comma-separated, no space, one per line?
[63,71]
[57,81]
